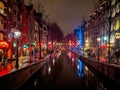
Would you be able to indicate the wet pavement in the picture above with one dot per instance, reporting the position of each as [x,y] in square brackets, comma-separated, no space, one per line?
[23,62]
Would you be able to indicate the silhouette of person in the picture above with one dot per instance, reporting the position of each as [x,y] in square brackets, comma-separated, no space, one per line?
[0,56]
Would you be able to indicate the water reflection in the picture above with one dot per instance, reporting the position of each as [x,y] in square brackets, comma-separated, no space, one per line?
[67,72]
[53,61]
[82,71]
[49,69]
[80,68]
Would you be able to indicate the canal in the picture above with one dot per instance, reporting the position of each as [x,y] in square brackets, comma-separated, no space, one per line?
[65,71]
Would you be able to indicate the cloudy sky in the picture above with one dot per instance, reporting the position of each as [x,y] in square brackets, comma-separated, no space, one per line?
[67,13]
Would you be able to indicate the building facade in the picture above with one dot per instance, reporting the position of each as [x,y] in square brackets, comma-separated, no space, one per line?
[104,23]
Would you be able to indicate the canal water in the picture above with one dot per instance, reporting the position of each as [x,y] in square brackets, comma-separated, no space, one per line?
[65,71]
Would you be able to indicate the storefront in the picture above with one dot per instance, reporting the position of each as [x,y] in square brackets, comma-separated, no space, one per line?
[4,47]
[117,33]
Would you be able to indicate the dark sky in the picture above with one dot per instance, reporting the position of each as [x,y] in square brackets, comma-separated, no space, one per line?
[67,13]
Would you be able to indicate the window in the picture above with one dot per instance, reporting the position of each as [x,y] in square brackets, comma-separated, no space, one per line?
[118,8]
[113,12]
[1,36]
[1,23]
[113,2]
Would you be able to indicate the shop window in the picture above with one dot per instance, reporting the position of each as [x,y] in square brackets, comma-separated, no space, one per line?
[113,12]
[117,25]
[113,2]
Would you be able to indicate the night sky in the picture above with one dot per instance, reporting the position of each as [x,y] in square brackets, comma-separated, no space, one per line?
[67,13]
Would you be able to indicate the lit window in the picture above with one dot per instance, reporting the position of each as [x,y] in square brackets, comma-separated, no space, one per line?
[113,12]
[1,11]
[117,8]
[117,25]
[113,2]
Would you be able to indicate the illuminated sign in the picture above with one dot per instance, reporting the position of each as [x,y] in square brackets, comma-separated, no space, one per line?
[17,34]
[111,45]
[117,35]
[4,44]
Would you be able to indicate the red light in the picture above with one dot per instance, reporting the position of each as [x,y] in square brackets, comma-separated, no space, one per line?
[6,70]
[49,45]
[73,43]
[4,44]
[41,43]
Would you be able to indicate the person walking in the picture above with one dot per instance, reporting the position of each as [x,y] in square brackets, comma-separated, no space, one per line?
[0,56]
[117,55]
[5,58]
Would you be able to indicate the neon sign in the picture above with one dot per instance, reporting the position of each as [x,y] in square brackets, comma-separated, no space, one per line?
[4,44]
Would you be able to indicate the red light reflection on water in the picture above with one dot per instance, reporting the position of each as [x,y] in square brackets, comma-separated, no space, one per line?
[5,69]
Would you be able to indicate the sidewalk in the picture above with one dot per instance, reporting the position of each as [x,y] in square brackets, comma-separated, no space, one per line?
[102,60]
[23,62]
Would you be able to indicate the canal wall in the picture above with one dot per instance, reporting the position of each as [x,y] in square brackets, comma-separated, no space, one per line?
[112,71]
[15,79]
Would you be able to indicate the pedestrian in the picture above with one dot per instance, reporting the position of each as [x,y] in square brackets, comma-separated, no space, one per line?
[5,58]
[0,56]
[112,55]
[117,55]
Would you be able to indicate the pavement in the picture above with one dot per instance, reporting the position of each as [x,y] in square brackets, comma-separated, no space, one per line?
[102,59]
[23,62]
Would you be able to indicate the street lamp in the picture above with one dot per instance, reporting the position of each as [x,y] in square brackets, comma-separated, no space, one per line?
[98,39]
[40,42]
[109,30]
[17,35]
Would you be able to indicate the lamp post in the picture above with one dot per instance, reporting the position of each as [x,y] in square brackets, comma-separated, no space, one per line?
[109,31]
[98,39]
[39,18]
[40,43]
[17,35]
[17,59]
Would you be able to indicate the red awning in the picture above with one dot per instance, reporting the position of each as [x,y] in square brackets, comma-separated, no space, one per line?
[4,44]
